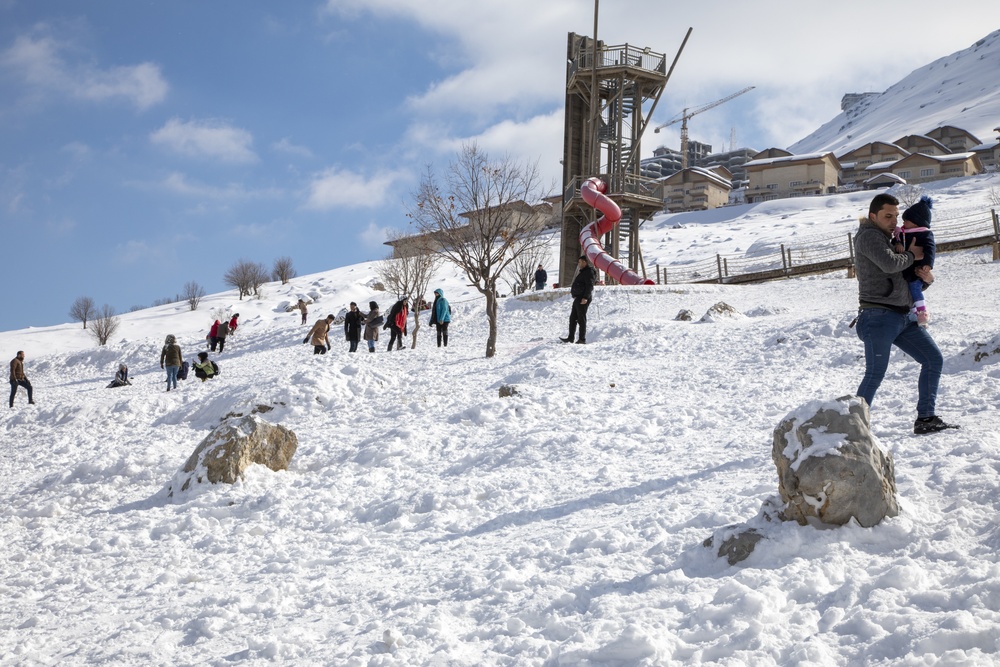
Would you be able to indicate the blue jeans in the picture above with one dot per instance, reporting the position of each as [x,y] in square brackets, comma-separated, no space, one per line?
[172,376]
[880,329]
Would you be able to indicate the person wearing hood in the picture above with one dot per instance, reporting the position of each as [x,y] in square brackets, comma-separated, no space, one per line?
[233,323]
[221,333]
[373,321]
[213,336]
[916,228]
[171,359]
[396,323]
[884,311]
[441,316]
[121,377]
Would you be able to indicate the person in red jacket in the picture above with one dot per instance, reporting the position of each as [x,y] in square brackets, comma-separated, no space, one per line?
[213,336]
[232,324]
[396,323]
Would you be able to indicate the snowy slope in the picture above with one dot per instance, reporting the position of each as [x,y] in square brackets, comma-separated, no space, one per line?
[959,90]
[424,520]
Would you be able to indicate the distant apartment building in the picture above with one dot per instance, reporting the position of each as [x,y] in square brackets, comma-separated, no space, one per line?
[921,143]
[772,175]
[851,99]
[697,189]
[858,165]
[955,139]
[666,161]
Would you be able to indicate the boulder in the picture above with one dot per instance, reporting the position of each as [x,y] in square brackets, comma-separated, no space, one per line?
[508,390]
[684,315]
[232,447]
[831,467]
[721,311]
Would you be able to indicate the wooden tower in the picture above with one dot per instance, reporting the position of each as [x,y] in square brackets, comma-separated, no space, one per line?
[610,95]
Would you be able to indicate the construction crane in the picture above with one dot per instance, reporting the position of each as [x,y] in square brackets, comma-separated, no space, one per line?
[686,114]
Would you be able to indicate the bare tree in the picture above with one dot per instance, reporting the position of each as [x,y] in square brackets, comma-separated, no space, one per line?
[83,309]
[994,196]
[246,276]
[283,270]
[193,294]
[907,194]
[521,273]
[410,272]
[106,323]
[481,219]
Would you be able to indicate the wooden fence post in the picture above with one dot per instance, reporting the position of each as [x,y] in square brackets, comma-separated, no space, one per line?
[784,260]
[718,265]
[850,254]
[996,235]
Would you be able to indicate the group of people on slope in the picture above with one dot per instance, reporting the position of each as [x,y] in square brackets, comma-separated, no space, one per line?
[172,360]
[359,325]
[220,331]
[893,264]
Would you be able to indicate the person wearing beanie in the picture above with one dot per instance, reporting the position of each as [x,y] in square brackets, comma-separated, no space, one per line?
[916,229]
[373,321]
[582,291]
[884,320]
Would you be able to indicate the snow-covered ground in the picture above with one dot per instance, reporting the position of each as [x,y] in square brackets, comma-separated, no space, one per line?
[424,520]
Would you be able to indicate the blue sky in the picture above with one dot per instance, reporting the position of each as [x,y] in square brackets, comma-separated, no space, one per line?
[147,144]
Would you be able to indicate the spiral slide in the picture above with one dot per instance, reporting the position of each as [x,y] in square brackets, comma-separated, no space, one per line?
[592,191]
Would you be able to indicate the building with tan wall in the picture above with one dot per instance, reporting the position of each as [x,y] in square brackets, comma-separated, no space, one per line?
[697,189]
[791,176]
[920,168]
[921,143]
[856,165]
[955,139]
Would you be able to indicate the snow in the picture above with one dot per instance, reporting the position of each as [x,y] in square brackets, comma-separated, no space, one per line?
[426,520]
[959,90]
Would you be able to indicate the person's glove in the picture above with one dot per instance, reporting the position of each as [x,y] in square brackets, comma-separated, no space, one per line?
[328,347]
[161,367]
[305,340]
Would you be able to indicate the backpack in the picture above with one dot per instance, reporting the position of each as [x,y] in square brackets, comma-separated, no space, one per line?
[182,372]
[215,367]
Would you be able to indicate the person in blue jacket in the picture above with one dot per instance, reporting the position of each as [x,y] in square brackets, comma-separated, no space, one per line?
[441,316]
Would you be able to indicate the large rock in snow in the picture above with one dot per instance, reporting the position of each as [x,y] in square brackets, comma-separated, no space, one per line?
[236,444]
[831,467]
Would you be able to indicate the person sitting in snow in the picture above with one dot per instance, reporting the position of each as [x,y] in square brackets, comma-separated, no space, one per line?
[916,229]
[121,377]
[205,368]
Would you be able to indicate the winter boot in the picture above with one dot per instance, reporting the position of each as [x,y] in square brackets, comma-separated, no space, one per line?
[925,425]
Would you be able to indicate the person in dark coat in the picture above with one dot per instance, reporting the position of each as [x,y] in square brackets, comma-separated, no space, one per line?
[373,321]
[540,278]
[221,334]
[916,228]
[18,378]
[441,316]
[396,322]
[121,377]
[582,291]
[353,322]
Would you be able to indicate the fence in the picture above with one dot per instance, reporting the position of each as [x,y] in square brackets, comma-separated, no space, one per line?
[822,253]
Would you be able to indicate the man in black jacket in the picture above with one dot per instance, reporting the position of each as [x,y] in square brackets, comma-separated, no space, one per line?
[582,291]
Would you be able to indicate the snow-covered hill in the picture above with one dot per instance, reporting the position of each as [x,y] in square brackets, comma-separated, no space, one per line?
[959,90]
[424,520]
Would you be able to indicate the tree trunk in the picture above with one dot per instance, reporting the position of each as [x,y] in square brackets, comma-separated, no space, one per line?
[491,316]
[416,327]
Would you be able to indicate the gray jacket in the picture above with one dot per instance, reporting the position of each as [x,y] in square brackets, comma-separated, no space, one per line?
[879,269]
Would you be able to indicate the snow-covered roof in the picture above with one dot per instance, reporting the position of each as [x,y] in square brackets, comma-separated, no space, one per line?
[789,158]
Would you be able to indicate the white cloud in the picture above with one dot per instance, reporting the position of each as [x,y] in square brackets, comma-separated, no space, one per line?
[374,236]
[179,184]
[40,63]
[286,146]
[334,188]
[503,65]
[212,139]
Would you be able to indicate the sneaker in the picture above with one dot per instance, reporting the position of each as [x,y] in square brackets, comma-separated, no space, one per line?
[923,318]
[925,425]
